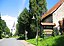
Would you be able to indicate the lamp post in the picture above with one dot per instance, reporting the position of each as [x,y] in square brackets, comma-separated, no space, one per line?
[36,30]
[26,35]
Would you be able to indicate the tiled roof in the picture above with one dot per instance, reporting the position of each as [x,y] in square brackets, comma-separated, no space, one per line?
[62,0]
[51,10]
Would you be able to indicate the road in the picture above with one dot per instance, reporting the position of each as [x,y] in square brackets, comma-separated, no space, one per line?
[10,42]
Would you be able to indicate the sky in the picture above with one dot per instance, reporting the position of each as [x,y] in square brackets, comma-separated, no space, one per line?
[51,3]
[10,9]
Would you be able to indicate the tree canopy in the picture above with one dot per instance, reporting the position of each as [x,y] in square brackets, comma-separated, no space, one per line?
[25,21]
[36,9]
[3,28]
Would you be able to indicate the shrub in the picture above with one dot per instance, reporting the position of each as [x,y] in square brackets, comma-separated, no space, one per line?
[21,36]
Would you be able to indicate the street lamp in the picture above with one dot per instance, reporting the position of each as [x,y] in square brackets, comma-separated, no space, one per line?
[33,17]
[36,29]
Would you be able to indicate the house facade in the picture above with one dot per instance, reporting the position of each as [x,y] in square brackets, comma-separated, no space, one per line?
[55,14]
[53,18]
[58,15]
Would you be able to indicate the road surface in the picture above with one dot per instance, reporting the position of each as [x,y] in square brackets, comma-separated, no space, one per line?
[10,42]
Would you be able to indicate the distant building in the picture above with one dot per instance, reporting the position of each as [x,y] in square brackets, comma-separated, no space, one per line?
[13,30]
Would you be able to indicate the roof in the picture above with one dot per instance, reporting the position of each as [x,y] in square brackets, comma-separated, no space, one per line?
[48,24]
[52,10]
[62,0]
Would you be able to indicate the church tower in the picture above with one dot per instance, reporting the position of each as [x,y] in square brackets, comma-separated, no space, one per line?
[13,28]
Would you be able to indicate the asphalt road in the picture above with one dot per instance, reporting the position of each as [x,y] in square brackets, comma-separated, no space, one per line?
[10,42]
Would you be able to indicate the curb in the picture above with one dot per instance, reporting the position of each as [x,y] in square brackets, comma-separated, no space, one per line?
[26,43]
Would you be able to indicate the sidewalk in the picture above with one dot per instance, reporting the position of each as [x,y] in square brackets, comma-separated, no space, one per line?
[26,43]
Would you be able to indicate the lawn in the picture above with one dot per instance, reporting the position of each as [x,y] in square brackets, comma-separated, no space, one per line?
[51,41]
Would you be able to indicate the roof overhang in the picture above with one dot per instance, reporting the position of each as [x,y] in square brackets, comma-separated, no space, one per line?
[54,8]
[48,24]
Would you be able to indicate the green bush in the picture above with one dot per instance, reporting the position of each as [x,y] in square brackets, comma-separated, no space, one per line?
[3,36]
[21,36]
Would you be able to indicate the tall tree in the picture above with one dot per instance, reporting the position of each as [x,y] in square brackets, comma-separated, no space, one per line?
[24,24]
[36,8]
[0,28]
[23,21]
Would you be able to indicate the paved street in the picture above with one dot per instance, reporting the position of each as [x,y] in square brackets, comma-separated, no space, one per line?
[10,42]
[14,42]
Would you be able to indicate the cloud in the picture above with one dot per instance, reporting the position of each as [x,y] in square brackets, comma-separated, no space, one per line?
[9,20]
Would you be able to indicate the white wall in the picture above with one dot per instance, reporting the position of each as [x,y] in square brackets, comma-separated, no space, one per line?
[58,14]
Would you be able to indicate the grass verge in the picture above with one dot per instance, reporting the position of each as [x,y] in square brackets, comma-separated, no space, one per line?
[51,41]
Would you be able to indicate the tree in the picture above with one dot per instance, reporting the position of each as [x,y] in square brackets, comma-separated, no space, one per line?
[7,30]
[36,8]
[0,28]
[23,21]
[3,28]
